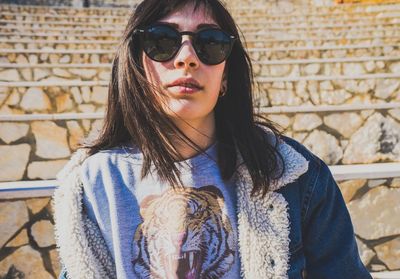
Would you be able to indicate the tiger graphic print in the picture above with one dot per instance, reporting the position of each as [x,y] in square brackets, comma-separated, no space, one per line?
[184,234]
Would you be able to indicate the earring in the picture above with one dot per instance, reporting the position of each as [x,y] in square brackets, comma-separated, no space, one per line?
[223,90]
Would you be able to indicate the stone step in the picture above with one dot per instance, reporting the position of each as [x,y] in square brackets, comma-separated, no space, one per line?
[56,95]
[248,33]
[82,56]
[370,172]
[300,20]
[37,145]
[254,41]
[269,9]
[263,68]
[372,220]
[362,22]
[258,15]
[246,29]
[386,275]
[265,62]
[251,40]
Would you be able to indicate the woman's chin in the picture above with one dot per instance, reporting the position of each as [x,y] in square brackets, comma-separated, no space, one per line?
[188,113]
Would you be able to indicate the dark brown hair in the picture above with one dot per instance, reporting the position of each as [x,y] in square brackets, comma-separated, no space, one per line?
[135,115]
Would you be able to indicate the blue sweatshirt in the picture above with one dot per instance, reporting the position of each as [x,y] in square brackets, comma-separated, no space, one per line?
[155,231]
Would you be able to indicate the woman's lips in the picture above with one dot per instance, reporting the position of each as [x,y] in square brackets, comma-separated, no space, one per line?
[184,89]
[184,85]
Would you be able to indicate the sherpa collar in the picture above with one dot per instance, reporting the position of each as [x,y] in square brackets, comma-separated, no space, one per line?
[263,224]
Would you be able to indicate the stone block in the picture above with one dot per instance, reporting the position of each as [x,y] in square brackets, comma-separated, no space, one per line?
[324,146]
[26,74]
[37,204]
[76,94]
[62,73]
[13,161]
[33,59]
[86,108]
[353,122]
[100,95]
[365,253]
[350,187]
[282,120]
[76,134]
[39,74]
[105,75]
[21,59]
[386,87]
[306,121]
[375,214]
[11,131]
[84,73]
[51,140]
[353,69]
[279,70]
[27,261]
[13,215]
[283,97]
[43,233]
[35,100]
[86,93]
[13,99]
[9,75]
[395,67]
[55,261]
[389,253]
[377,140]
[65,59]
[312,69]
[64,102]
[19,240]
[45,169]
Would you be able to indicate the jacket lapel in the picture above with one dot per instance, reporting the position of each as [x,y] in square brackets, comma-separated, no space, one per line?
[81,247]
[263,223]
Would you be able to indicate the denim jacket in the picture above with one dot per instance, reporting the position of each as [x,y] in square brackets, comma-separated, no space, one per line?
[300,229]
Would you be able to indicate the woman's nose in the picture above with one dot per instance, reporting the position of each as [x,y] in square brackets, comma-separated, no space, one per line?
[186,56]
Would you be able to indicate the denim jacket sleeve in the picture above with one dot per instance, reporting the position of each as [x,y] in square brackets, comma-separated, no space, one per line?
[329,243]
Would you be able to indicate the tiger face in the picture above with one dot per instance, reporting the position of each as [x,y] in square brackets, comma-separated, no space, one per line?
[184,234]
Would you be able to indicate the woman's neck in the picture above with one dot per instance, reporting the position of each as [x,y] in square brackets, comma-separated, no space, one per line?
[201,132]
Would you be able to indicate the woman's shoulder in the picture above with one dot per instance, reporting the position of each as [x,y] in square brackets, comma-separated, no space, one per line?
[114,155]
[84,162]
[318,175]
[302,150]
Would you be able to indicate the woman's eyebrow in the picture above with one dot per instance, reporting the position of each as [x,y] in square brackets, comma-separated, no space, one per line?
[206,25]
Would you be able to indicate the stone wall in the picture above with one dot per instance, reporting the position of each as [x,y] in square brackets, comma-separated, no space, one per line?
[27,243]
[38,149]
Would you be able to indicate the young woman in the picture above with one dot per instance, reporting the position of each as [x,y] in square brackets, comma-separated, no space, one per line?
[184,180]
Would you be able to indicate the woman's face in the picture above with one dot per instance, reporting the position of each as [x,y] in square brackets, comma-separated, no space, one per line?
[180,101]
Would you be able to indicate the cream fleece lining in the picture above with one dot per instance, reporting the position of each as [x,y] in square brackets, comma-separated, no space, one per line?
[263,224]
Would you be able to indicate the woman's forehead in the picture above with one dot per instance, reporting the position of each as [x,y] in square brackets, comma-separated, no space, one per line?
[189,18]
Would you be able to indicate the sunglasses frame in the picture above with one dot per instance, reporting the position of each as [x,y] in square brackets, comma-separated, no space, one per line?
[193,35]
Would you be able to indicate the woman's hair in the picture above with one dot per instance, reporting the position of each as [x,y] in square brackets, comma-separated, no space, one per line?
[134,113]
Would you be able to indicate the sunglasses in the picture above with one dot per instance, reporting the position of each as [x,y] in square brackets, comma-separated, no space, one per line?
[162,42]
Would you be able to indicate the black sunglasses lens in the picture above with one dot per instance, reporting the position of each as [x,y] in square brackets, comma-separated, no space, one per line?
[161,42]
[213,46]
